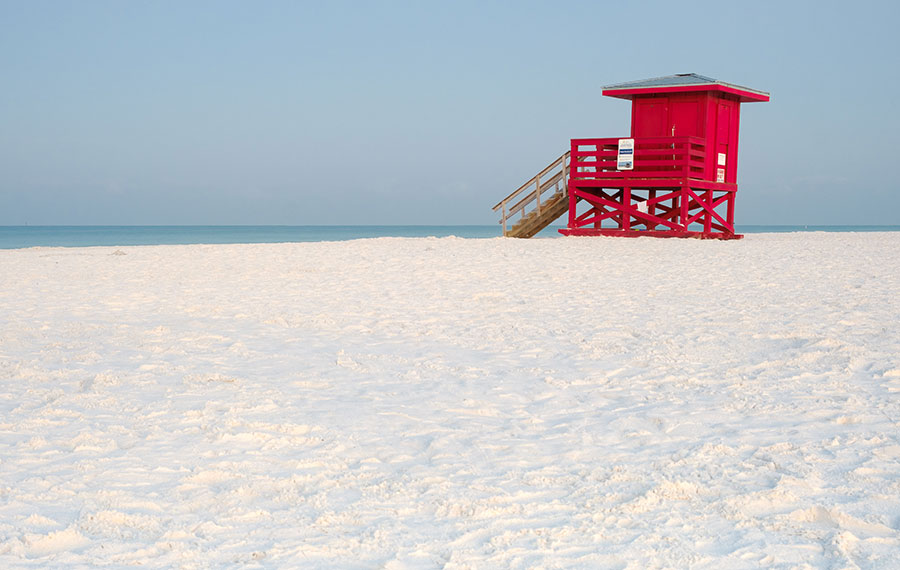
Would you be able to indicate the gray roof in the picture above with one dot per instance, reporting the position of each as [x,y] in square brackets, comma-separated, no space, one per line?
[681,79]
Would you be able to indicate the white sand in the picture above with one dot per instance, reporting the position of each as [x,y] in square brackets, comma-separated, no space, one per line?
[451,403]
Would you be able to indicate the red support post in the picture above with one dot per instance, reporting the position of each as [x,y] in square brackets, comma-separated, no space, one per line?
[573,204]
[730,214]
[707,219]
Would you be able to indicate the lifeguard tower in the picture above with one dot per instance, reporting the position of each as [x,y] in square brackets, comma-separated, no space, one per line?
[674,176]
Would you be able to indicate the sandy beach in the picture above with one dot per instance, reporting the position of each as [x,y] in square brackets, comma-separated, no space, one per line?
[453,403]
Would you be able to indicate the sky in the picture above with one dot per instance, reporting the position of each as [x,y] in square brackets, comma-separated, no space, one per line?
[300,113]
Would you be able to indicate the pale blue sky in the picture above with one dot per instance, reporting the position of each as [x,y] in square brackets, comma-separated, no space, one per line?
[419,112]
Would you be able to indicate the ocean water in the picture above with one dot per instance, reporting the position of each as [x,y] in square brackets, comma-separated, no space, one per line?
[15,237]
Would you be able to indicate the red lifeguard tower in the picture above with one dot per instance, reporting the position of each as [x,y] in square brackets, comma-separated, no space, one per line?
[674,176]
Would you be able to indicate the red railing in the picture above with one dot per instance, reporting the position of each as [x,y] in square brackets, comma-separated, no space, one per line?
[654,157]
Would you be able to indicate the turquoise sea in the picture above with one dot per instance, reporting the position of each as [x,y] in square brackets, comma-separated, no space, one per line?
[15,237]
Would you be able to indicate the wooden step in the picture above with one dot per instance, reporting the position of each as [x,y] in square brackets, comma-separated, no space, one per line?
[534,222]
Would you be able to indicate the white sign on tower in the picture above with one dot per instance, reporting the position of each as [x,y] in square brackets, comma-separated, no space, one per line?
[625,159]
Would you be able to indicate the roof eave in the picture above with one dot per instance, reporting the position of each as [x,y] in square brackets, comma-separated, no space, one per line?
[743,94]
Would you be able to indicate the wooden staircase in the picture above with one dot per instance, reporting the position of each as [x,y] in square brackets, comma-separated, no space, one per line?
[535,221]
[526,211]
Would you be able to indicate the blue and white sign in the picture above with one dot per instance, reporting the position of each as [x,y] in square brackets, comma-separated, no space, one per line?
[625,159]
